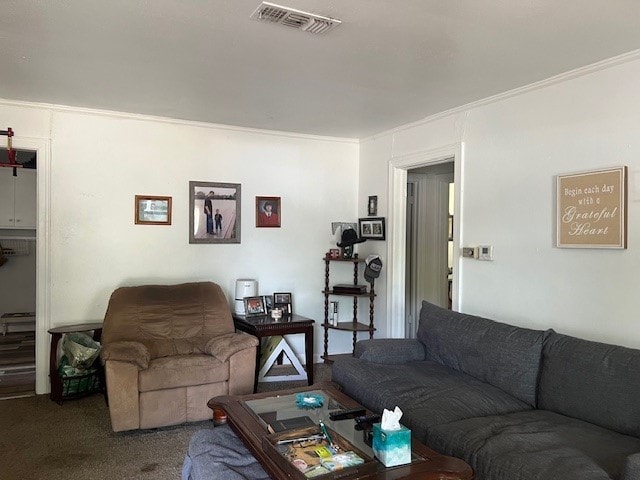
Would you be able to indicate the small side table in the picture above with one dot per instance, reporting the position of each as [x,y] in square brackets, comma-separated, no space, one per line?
[265,326]
[57,394]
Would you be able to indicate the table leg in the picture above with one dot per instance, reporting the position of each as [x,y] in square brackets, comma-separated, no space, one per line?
[308,350]
[258,355]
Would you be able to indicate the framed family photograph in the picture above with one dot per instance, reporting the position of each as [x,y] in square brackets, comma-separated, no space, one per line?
[214,212]
[268,212]
[283,301]
[254,306]
[152,210]
[268,302]
[372,228]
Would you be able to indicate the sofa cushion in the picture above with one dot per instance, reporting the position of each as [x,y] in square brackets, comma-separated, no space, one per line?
[592,381]
[505,356]
[428,393]
[182,371]
[390,350]
[535,445]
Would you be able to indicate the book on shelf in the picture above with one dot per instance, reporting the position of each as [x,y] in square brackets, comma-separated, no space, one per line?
[349,288]
[333,313]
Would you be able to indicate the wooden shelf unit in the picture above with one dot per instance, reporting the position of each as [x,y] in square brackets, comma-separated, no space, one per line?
[352,326]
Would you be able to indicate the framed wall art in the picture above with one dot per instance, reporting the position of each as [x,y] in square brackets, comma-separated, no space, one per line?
[372,228]
[372,206]
[592,209]
[152,210]
[268,212]
[214,212]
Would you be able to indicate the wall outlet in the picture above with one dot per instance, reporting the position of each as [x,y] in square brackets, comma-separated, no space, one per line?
[468,252]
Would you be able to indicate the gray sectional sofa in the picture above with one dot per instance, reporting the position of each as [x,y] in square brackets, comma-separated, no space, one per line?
[514,403]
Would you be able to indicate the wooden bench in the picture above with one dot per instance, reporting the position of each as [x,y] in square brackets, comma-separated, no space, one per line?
[20,318]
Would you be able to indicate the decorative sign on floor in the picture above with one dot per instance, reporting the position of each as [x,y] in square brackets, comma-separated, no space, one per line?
[592,209]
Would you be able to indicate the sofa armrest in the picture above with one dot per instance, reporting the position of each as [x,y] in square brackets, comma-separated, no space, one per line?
[631,467]
[390,350]
[130,352]
[223,346]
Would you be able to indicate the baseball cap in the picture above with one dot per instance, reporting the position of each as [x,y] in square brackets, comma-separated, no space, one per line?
[372,270]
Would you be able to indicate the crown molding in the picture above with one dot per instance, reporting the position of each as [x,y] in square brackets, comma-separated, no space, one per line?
[172,121]
[562,77]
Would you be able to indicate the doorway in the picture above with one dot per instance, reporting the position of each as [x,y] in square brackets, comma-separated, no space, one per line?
[18,226]
[429,239]
[399,165]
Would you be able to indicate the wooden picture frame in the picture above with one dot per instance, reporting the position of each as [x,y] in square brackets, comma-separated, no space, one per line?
[268,212]
[592,209]
[214,212]
[372,228]
[254,306]
[372,206]
[152,210]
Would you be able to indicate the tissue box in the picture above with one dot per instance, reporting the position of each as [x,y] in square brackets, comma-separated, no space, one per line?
[392,447]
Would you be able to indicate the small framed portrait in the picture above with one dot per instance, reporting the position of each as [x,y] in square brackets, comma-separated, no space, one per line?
[334,253]
[372,228]
[214,212]
[152,210]
[268,302]
[268,212]
[282,300]
[254,306]
[372,205]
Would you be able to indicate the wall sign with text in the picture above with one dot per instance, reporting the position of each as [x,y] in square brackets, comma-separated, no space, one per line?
[592,209]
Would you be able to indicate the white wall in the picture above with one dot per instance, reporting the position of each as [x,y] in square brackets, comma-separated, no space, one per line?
[99,162]
[513,149]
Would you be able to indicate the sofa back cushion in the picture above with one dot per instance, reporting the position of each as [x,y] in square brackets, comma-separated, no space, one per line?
[505,356]
[168,319]
[591,381]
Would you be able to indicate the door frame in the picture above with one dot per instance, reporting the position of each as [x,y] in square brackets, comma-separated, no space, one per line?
[42,146]
[396,247]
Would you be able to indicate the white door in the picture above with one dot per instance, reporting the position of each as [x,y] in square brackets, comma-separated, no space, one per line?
[428,245]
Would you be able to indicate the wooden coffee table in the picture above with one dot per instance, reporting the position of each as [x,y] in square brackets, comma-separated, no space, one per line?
[242,413]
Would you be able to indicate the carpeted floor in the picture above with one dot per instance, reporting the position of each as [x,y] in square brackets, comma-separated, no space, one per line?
[41,440]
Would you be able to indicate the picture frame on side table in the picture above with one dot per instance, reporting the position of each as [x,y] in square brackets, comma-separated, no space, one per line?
[372,228]
[254,306]
[214,212]
[283,300]
[268,302]
[152,210]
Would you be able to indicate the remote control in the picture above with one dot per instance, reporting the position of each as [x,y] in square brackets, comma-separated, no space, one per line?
[366,421]
[345,414]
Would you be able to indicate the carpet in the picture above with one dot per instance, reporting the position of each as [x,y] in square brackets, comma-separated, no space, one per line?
[43,440]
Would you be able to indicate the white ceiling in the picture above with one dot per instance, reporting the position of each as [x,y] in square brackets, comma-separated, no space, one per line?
[390,62]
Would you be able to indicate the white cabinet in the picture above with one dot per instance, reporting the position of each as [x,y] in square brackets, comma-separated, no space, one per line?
[18,198]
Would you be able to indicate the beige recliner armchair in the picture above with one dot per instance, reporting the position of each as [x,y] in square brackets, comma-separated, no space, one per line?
[167,350]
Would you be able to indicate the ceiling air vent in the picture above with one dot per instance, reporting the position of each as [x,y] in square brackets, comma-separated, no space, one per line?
[290,17]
